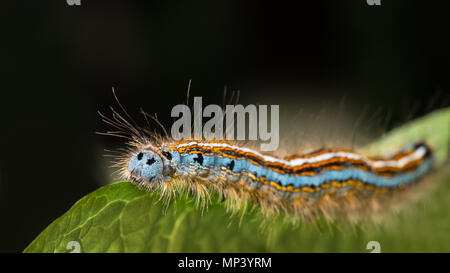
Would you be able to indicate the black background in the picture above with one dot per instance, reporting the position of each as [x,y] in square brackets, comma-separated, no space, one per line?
[58,63]
[280,262]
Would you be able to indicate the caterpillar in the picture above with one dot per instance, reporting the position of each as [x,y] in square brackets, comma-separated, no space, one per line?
[325,181]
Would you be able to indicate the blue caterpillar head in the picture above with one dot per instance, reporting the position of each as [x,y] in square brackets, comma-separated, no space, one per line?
[146,165]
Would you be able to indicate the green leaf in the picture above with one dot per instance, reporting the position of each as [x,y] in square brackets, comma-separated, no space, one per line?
[122,218]
[433,128]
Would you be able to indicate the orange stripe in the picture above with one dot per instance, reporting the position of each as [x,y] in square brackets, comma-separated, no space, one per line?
[273,165]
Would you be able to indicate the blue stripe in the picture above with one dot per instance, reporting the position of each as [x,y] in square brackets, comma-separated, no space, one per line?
[215,162]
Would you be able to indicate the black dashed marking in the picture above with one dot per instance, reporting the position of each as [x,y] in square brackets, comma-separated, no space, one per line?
[140,155]
[168,155]
[199,159]
[150,161]
[230,165]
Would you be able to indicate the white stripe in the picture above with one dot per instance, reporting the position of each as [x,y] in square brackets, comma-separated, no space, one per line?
[419,153]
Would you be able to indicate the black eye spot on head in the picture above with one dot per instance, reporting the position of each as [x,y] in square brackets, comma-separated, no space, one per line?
[199,159]
[150,161]
[168,155]
[140,155]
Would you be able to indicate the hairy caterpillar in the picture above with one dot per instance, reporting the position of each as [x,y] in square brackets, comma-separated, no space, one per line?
[326,181]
